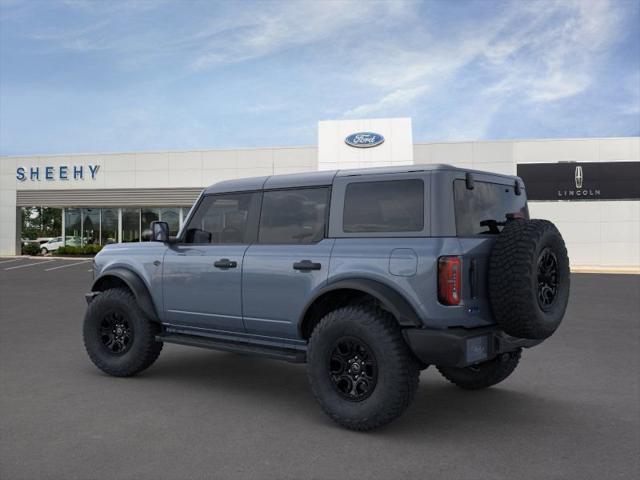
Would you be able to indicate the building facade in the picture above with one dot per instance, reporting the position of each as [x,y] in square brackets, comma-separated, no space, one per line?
[588,187]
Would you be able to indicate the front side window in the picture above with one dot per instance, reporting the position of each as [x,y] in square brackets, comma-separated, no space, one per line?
[293,216]
[221,219]
[384,206]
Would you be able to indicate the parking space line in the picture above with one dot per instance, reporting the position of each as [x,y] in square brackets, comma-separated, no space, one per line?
[9,261]
[65,266]
[30,264]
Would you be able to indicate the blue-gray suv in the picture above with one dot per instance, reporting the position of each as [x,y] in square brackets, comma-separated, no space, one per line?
[367,276]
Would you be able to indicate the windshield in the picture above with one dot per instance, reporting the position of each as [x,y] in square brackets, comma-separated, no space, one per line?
[484,209]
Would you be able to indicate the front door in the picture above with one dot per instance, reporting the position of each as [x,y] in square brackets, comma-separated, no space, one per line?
[290,260]
[202,275]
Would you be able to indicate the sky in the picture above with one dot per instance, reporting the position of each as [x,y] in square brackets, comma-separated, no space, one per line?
[83,76]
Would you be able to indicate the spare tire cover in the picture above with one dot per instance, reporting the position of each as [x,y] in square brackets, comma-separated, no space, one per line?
[529,278]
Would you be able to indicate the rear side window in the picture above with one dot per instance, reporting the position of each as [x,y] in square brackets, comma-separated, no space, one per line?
[295,216]
[385,206]
[487,203]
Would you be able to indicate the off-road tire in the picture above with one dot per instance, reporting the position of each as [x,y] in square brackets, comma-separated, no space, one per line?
[484,374]
[397,369]
[515,278]
[143,349]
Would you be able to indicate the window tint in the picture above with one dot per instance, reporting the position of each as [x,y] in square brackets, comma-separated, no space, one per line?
[293,216]
[388,206]
[224,219]
[486,202]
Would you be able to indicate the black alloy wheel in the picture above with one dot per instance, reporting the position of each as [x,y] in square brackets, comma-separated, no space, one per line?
[353,369]
[547,278]
[116,332]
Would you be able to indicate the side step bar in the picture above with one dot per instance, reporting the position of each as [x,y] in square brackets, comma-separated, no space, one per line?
[278,353]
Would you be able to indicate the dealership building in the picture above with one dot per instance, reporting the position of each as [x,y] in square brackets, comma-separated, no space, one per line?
[589,187]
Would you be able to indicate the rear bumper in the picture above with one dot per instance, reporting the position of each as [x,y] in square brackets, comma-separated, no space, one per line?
[460,347]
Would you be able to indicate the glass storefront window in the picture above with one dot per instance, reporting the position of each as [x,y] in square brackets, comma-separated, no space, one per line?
[109,226]
[72,226]
[90,226]
[172,217]
[148,215]
[130,224]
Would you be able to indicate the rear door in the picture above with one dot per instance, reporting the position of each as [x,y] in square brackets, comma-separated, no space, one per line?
[289,260]
[203,272]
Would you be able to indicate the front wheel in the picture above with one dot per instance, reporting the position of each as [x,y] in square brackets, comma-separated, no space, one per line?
[360,369]
[118,337]
[484,374]
[44,251]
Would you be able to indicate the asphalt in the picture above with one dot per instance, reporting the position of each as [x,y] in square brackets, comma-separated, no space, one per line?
[571,409]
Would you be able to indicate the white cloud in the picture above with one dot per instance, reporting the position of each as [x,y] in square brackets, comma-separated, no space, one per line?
[284,25]
[534,51]
[398,98]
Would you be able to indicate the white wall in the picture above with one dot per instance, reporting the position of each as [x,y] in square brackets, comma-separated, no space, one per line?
[334,153]
[8,211]
[198,168]
[597,233]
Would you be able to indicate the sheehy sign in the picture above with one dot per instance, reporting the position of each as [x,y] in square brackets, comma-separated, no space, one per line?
[581,180]
[60,172]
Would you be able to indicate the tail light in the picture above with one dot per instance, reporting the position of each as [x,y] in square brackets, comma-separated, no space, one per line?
[449,274]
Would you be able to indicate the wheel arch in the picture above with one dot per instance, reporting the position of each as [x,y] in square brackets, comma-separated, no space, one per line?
[122,277]
[340,293]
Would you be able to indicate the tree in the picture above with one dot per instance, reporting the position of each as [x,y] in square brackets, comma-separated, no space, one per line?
[41,222]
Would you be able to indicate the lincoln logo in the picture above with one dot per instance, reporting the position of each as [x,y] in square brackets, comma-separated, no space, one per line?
[579,191]
[579,177]
[364,140]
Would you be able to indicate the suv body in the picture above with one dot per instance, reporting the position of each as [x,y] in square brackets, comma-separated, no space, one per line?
[261,261]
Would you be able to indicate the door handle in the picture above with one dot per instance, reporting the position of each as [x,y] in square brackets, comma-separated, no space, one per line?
[225,263]
[306,265]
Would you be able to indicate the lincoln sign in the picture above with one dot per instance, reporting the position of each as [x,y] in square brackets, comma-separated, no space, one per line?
[581,180]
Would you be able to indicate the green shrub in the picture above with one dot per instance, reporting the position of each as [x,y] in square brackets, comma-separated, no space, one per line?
[31,249]
[84,250]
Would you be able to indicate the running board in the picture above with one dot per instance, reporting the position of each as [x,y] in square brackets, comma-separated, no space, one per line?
[279,353]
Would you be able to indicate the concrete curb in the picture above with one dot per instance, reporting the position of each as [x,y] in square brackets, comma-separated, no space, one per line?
[609,270]
[51,257]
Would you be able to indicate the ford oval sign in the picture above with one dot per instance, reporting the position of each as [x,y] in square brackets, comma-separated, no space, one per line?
[364,139]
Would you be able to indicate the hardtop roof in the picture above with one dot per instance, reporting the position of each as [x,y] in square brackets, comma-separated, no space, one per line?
[325,177]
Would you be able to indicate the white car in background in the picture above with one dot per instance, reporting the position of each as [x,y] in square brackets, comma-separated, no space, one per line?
[52,245]
[57,242]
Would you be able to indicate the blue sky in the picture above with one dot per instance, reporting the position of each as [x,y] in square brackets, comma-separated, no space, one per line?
[91,76]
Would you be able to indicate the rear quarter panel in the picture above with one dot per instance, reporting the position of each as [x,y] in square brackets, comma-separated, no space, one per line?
[370,258]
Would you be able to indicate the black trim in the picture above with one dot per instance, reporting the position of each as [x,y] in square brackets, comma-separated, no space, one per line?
[135,284]
[459,347]
[279,353]
[390,299]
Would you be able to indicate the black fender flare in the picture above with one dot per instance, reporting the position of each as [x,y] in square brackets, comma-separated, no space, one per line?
[392,301]
[135,284]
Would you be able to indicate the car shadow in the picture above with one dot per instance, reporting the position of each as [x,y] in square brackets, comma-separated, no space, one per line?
[437,409]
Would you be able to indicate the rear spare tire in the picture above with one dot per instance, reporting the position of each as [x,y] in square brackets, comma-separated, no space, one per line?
[529,278]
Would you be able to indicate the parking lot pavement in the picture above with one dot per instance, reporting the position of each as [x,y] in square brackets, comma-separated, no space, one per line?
[570,410]
[43,264]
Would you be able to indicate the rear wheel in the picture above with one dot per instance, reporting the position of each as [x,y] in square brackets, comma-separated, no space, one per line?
[360,369]
[484,374]
[118,337]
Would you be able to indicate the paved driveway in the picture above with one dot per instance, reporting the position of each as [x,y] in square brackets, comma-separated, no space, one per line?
[571,410]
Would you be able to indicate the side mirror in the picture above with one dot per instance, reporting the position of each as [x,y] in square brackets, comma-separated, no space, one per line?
[160,232]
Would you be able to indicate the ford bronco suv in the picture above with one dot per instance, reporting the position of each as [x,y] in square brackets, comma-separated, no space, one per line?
[366,275]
